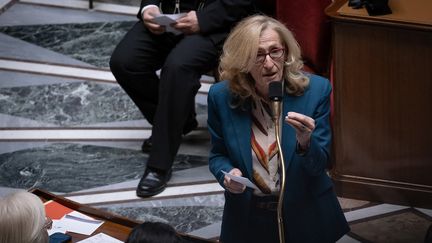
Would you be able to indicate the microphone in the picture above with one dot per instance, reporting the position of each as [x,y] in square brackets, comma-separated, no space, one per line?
[275,95]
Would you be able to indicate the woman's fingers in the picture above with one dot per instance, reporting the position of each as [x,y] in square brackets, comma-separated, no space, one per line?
[233,186]
[300,122]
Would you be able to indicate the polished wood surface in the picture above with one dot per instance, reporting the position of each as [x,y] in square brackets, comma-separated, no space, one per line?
[115,225]
[382,103]
[411,12]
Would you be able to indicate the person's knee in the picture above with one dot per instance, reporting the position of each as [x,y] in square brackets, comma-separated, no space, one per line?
[180,77]
[176,65]
[117,62]
[178,72]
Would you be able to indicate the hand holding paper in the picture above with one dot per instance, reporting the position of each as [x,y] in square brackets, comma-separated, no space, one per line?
[240,179]
[168,19]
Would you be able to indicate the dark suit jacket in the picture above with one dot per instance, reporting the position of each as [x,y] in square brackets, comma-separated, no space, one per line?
[215,19]
[311,210]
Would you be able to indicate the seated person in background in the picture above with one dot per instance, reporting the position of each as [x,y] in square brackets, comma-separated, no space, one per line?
[168,101]
[153,232]
[22,219]
[258,51]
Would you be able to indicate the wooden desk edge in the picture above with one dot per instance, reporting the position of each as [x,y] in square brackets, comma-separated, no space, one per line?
[93,212]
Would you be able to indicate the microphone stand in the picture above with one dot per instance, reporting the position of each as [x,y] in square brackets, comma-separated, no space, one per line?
[277,108]
[275,94]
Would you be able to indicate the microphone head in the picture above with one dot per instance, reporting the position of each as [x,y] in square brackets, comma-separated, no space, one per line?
[275,91]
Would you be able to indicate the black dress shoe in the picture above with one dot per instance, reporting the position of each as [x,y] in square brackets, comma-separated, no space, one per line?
[147,145]
[152,182]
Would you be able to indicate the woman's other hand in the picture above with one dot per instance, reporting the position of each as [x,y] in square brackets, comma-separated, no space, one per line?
[233,186]
[303,126]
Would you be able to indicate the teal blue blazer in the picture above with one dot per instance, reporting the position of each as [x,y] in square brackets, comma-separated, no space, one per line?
[311,210]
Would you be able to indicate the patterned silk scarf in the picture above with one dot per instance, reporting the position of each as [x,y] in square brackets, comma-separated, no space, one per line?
[264,150]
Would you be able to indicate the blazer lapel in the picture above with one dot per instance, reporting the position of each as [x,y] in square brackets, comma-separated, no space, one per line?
[241,122]
[288,133]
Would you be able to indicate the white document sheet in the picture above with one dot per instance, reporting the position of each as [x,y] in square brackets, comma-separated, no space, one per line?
[75,222]
[240,179]
[57,226]
[100,238]
[168,19]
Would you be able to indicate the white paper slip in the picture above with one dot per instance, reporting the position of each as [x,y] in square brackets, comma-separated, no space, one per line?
[57,226]
[101,238]
[79,223]
[168,19]
[240,179]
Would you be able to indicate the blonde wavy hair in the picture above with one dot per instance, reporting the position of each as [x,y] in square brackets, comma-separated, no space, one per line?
[240,51]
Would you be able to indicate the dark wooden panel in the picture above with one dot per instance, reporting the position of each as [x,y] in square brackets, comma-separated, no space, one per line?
[382,121]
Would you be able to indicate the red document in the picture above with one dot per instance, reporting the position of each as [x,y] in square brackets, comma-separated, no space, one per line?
[55,210]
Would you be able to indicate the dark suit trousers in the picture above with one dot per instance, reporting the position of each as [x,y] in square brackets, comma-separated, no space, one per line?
[168,102]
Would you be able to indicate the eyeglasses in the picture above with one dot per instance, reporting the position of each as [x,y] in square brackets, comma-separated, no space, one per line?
[48,224]
[274,54]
